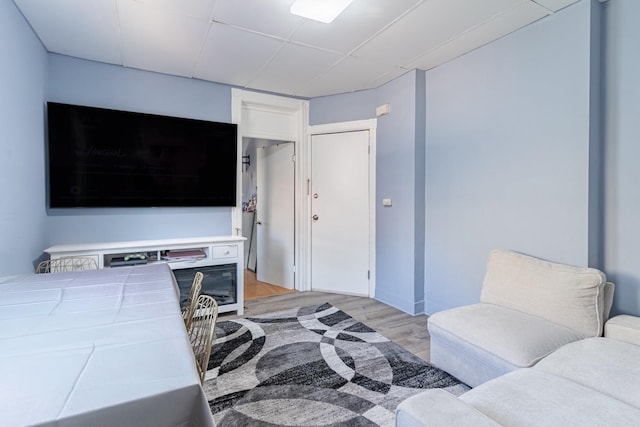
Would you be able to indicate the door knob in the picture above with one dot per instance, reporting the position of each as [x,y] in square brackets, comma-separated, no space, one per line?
[315,217]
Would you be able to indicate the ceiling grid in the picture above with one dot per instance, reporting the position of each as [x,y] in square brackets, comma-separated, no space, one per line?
[258,44]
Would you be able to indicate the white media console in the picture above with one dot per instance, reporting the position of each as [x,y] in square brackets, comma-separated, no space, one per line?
[181,254]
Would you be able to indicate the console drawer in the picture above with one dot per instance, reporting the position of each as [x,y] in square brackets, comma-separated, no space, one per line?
[226,251]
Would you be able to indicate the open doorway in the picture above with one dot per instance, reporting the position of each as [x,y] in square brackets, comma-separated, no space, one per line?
[268,216]
[263,116]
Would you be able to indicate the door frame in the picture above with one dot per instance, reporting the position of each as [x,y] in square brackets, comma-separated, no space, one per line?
[341,127]
[265,116]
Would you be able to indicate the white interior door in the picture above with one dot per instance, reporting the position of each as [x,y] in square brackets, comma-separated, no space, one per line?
[275,213]
[340,212]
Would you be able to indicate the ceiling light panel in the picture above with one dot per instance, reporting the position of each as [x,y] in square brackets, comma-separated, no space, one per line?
[358,23]
[324,11]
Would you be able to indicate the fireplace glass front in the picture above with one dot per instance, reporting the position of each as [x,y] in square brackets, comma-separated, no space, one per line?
[219,281]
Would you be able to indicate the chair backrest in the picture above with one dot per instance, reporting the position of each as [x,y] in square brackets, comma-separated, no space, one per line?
[201,332]
[69,263]
[575,297]
[190,305]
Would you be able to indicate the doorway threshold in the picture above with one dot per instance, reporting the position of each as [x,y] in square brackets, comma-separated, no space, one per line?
[255,289]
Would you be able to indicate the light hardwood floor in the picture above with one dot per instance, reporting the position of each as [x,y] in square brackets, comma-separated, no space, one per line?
[405,330]
[253,288]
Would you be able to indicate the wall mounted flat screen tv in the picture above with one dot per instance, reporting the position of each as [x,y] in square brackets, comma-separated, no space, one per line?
[108,158]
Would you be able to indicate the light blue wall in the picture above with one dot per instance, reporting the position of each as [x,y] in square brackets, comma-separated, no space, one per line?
[343,108]
[22,89]
[622,135]
[507,157]
[400,228]
[510,159]
[397,234]
[77,81]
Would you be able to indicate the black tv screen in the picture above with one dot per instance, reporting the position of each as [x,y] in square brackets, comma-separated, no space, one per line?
[108,158]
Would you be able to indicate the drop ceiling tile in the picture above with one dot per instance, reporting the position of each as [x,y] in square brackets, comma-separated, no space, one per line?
[391,75]
[501,25]
[156,40]
[77,28]
[293,68]
[349,75]
[196,8]
[361,20]
[234,56]
[269,17]
[169,36]
[429,25]
[555,5]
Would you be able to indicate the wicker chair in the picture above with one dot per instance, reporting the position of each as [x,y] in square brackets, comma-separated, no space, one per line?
[201,332]
[69,263]
[190,305]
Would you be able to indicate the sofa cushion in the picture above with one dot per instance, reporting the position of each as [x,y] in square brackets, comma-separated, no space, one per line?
[470,364]
[438,407]
[567,295]
[624,328]
[532,397]
[518,338]
[607,365]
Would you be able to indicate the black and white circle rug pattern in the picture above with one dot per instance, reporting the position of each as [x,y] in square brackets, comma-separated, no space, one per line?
[312,366]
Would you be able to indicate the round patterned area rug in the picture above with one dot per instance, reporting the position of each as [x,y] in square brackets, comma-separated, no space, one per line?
[312,366]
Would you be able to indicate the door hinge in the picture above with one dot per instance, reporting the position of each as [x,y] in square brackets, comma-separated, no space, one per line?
[294,268]
[293,158]
[368,274]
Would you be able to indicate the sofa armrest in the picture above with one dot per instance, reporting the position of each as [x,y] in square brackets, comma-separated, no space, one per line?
[439,408]
[623,328]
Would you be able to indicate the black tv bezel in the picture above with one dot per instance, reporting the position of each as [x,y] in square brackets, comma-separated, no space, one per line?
[58,202]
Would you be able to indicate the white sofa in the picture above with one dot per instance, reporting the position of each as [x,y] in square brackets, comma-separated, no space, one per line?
[528,309]
[590,382]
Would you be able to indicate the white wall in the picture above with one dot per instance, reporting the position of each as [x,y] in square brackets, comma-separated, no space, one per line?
[622,154]
[507,154]
[22,89]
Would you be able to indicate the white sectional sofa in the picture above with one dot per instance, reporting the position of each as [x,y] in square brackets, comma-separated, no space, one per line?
[528,309]
[590,382]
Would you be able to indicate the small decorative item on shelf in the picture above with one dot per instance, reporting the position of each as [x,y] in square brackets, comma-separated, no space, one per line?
[138,256]
[128,259]
[188,254]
